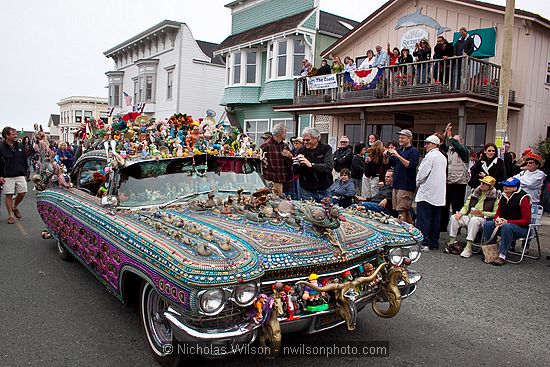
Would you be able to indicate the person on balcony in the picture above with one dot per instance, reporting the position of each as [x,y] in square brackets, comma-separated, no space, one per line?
[337,65]
[393,55]
[422,52]
[405,73]
[324,69]
[531,177]
[464,46]
[442,51]
[369,61]
[511,219]
[488,165]
[349,64]
[381,58]
[480,206]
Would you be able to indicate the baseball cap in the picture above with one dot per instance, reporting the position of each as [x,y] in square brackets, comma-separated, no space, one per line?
[433,139]
[511,182]
[489,180]
[267,135]
[406,132]
[298,138]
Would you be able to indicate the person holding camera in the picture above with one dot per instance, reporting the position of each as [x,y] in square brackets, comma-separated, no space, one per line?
[314,165]
[404,161]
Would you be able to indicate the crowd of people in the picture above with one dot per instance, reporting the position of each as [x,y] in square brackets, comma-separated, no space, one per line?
[17,158]
[380,57]
[446,190]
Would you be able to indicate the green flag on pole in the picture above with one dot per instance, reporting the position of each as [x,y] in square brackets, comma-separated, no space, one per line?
[485,41]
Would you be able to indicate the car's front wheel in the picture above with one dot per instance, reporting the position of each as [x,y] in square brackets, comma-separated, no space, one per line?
[157,328]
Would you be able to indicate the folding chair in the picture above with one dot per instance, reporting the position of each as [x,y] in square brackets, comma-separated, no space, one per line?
[532,233]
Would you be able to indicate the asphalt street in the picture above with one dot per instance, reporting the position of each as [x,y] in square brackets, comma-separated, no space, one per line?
[55,313]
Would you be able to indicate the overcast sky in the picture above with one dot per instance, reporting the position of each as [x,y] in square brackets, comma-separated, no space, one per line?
[54,49]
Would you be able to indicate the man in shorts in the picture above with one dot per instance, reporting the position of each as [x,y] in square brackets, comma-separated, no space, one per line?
[404,161]
[13,172]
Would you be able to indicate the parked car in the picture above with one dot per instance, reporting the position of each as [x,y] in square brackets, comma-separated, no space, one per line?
[214,259]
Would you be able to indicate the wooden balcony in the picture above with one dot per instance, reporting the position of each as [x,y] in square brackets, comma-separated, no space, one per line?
[461,75]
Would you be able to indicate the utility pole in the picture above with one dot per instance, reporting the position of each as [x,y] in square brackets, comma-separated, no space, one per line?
[505,77]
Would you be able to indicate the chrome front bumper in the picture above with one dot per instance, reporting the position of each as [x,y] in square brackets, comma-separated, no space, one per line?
[247,333]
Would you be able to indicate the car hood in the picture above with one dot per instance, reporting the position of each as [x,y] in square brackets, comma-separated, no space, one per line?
[207,247]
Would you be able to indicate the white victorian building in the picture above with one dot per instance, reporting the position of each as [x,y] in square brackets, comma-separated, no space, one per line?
[73,111]
[168,71]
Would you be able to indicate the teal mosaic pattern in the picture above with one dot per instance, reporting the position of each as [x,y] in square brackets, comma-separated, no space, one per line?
[240,95]
[267,12]
[310,22]
[278,89]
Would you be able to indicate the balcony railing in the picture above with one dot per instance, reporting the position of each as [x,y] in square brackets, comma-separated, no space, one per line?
[456,75]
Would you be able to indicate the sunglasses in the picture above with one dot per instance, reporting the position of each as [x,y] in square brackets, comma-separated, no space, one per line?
[531,162]
[491,151]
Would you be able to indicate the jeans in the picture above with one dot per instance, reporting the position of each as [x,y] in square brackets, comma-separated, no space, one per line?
[370,205]
[427,221]
[316,195]
[509,232]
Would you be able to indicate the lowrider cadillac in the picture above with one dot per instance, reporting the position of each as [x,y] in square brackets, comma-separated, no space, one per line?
[214,258]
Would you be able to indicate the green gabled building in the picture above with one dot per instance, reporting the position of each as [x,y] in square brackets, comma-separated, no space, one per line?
[263,55]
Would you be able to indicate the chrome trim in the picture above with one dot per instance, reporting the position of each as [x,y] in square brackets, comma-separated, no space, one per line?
[238,330]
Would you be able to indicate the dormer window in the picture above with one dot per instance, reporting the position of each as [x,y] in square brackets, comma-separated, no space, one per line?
[285,58]
[242,68]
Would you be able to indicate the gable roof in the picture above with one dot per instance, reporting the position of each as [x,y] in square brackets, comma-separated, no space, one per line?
[208,49]
[55,119]
[328,23]
[334,24]
[491,7]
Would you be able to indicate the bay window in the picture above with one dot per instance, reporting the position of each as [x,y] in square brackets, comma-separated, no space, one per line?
[285,57]
[242,67]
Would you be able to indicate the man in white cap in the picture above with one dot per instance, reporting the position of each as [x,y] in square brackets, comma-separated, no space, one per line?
[430,197]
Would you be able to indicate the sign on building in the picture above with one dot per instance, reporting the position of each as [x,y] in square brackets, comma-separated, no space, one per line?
[412,37]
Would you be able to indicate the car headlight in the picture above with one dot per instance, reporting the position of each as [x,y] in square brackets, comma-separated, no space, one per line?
[244,294]
[211,301]
[396,256]
[414,252]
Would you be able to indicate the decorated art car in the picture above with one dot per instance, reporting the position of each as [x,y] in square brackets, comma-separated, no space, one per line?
[215,259]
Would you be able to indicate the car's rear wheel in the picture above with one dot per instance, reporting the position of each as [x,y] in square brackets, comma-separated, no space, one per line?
[62,251]
[157,329]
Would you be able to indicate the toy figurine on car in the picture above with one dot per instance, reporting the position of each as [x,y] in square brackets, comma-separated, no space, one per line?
[193,233]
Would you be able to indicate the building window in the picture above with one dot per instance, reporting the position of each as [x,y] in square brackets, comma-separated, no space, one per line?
[148,88]
[114,95]
[141,87]
[475,136]
[78,116]
[251,67]
[169,76]
[255,129]
[237,68]
[290,127]
[299,56]
[136,89]
[270,61]
[548,73]
[87,115]
[281,58]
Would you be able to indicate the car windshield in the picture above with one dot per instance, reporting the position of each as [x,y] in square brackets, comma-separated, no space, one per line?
[152,182]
